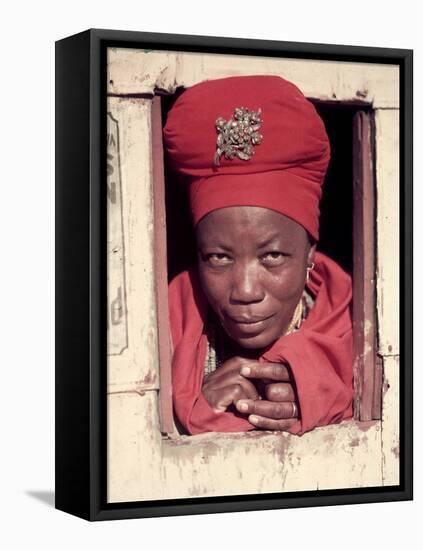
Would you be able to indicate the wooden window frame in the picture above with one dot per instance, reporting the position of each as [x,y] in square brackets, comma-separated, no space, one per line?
[368,371]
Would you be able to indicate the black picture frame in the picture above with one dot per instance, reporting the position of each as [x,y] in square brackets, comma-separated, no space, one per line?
[81,279]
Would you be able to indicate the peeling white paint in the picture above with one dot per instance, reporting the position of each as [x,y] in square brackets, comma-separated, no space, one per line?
[137,367]
[132,71]
[388,186]
[390,424]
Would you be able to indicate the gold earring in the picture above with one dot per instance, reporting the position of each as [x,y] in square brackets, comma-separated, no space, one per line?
[309,268]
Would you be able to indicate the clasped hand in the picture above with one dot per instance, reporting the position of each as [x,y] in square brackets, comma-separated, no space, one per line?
[263,392]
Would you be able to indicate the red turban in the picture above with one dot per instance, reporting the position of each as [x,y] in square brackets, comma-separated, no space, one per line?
[252,141]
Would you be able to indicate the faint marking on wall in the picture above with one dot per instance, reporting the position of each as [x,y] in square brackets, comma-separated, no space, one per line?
[117,318]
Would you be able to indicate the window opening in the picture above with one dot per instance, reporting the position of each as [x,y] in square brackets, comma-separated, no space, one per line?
[347,235]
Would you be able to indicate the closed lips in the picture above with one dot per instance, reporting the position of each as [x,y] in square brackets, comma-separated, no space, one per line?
[249,320]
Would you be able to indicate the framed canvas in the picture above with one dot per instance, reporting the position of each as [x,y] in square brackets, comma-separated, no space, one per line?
[131,437]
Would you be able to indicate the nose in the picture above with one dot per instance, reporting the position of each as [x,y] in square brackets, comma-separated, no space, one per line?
[246,287]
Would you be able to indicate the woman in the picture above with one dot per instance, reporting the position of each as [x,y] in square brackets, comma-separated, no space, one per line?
[261,327]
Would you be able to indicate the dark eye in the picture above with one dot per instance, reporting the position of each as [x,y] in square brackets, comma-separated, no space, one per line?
[217,259]
[273,258]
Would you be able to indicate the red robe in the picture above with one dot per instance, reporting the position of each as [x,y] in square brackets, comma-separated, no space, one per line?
[319,354]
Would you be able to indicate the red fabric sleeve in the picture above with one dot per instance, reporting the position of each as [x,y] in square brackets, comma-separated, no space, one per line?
[324,395]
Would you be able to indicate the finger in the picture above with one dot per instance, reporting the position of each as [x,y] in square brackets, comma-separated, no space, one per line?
[268,409]
[279,391]
[270,424]
[227,396]
[249,391]
[272,371]
[234,364]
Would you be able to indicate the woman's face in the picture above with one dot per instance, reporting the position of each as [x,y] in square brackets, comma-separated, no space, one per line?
[252,265]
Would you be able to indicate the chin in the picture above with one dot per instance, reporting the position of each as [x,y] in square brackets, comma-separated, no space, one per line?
[254,342]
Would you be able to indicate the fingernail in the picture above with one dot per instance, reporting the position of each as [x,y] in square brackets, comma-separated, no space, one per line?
[242,406]
[245,371]
[253,418]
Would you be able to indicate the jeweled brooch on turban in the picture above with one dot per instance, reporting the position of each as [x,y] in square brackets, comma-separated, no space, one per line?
[238,135]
